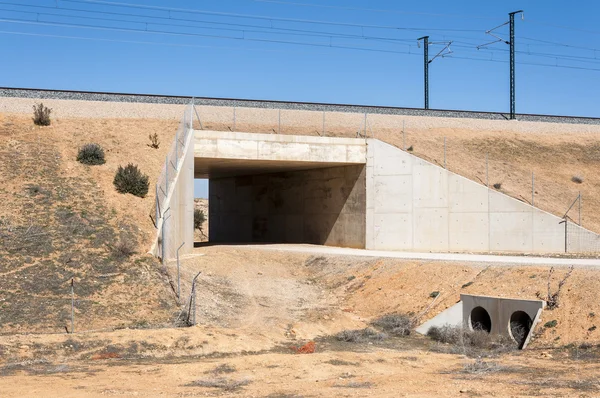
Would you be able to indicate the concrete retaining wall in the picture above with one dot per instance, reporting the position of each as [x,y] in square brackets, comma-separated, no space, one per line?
[320,206]
[176,225]
[415,205]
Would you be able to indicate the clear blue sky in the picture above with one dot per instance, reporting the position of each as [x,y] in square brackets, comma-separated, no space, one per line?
[258,61]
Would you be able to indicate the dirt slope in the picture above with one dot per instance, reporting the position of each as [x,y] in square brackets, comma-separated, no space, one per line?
[253,306]
[60,219]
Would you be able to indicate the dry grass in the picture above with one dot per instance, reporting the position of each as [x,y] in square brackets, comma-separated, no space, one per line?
[360,336]
[395,324]
[220,383]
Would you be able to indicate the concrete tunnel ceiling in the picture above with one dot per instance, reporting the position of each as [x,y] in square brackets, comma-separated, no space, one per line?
[223,168]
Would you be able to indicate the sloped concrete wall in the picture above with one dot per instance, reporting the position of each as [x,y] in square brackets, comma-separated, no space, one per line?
[178,222]
[321,206]
[415,205]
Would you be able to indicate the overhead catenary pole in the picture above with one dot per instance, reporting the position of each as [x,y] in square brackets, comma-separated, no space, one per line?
[426,68]
[512,64]
[426,61]
[511,43]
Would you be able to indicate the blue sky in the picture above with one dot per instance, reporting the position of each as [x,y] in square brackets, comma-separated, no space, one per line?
[62,51]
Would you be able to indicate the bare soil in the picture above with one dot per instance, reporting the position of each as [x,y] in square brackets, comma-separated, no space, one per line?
[255,308]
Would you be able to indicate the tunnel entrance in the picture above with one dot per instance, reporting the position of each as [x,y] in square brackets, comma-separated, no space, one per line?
[270,188]
[480,320]
[519,327]
[325,206]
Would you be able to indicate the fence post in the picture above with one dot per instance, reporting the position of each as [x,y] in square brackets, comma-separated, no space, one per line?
[176,148]
[72,305]
[566,242]
[162,236]
[580,199]
[167,176]
[323,123]
[157,207]
[178,273]
[234,118]
[197,116]
[279,123]
[532,187]
[192,307]
[445,153]
[487,170]
[403,137]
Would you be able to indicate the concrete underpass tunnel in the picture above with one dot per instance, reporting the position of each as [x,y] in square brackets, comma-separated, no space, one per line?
[285,202]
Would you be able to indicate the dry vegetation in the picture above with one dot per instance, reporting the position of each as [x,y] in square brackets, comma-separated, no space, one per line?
[61,219]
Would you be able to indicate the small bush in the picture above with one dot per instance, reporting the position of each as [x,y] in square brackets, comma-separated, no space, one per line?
[154,143]
[480,367]
[220,383]
[124,248]
[551,324]
[467,285]
[410,148]
[41,115]
[129,179]
[223,368]
[91,154]
[434,294]
[497,185]
[398,325]
[199,219]
[361,335]
[577,179]
[463,337]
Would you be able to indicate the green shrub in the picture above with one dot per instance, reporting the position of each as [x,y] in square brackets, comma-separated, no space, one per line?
[41,115]
[91,154]
[129,179]
[551,324]
[199,218]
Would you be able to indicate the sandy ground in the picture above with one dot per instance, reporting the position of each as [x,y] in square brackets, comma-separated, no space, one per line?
[253,307]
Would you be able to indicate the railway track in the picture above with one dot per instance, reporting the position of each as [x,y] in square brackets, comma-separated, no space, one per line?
[269,104]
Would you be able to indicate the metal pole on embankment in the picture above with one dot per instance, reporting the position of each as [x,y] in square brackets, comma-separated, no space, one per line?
[487,170]
[445,153]
[178,273]
[532,188]
[162,236]
[72,305]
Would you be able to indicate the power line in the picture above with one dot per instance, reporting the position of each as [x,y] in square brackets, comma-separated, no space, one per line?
[268,50]
[563,27]
[247,16]
[23,21]
[371,9]
[268,28]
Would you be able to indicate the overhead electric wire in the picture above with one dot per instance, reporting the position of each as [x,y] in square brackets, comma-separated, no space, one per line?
[371,9]
[198,35]
[271,30]
[247,16]
[284,42]
[595,32]
[267,30]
